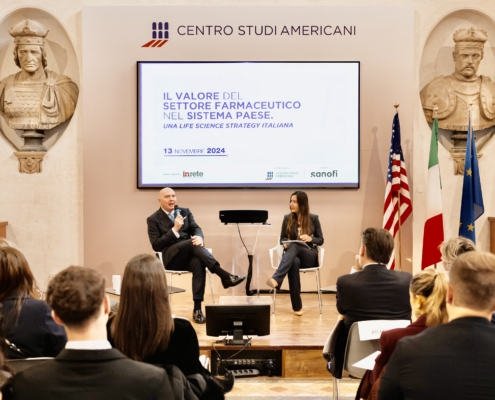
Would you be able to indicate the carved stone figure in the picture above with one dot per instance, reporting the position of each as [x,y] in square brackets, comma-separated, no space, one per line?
[30,161]
[452,96]
[35,99]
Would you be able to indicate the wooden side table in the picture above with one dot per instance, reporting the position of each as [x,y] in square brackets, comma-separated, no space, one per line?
[492,234]
[3,229]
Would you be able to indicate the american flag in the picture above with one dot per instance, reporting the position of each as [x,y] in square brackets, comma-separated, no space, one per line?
[397,186]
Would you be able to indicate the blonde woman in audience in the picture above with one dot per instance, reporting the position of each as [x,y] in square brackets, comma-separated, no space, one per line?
[454,248]
[7,243]
[29,328]
[427,293]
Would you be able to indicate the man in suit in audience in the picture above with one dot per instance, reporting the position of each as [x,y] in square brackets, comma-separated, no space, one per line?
[175,233]
[374,292]
[455,360]
[88,367]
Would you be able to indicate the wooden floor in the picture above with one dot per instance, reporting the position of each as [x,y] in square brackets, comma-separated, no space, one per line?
[286,331]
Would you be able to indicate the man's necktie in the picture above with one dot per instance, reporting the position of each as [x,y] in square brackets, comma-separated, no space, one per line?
[172,216]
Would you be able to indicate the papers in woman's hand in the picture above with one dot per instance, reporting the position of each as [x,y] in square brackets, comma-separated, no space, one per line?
[289,242]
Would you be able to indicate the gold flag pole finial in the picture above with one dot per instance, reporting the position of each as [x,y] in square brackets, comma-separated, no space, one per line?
[396,105]
[435,112]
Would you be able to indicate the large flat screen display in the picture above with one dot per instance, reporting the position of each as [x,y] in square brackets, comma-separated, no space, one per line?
[248,124]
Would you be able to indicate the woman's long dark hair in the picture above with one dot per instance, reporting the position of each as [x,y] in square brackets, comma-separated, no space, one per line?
[15,276]
[301,218]
[6,373]
[143,323]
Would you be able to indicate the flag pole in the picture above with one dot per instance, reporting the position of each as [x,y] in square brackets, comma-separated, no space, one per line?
[396,105]
[435,115]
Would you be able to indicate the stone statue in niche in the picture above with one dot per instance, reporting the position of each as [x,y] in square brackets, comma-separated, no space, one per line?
[452,96]
[34,99]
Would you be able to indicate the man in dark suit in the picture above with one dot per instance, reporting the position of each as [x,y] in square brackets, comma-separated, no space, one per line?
[454,360]
[88,367]
[375,292]
[176,234]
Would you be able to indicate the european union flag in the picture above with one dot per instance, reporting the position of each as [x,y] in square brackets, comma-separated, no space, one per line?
[472,199]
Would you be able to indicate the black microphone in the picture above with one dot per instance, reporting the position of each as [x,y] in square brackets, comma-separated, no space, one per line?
[177,211]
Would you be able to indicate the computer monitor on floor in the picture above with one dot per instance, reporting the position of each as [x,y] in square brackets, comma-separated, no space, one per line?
[238,320]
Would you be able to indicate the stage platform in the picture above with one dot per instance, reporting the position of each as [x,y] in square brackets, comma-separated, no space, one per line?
[300,339]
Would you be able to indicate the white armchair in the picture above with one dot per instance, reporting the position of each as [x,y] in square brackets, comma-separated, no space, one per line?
[279,250]
[173,272]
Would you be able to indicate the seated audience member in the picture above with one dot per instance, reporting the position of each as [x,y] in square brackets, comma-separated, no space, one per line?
[88,367]
[454,248]
[144,302]
[373,293]
[162,339]
[5,371]
[29,326]
[7,243]
[455,360]
[427,294]
[38,294]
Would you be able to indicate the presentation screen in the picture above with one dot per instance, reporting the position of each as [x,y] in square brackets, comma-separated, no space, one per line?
[248,124]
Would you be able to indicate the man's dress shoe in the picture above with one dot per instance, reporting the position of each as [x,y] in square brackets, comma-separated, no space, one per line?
[232,280]
[198,317]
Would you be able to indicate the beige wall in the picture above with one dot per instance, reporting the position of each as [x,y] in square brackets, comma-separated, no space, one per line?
[115,212]
[45,212]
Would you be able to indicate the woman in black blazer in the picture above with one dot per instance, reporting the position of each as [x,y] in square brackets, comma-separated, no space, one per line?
[303,226]
[143,327]
[145,330]
[29,326]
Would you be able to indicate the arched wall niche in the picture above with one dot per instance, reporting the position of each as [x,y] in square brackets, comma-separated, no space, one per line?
[61,57]
[437,59]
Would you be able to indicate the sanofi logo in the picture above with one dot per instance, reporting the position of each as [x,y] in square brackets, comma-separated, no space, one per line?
[159,34]
[332,174]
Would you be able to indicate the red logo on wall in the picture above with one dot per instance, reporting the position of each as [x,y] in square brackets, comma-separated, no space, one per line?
[159,33]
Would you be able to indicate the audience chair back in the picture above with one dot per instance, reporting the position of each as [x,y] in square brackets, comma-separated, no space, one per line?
[172,273]
[278,250]
[357,349]
[19,365]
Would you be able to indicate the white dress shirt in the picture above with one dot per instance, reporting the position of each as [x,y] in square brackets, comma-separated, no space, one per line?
[88,345]
[170,215]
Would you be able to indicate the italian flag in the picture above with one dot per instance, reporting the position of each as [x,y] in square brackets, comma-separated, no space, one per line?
[433,233]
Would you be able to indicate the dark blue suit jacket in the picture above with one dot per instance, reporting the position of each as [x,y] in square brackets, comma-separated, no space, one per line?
[317,232]
[373,293]
[161,236]
[450,361]
[95,375]
[33,331]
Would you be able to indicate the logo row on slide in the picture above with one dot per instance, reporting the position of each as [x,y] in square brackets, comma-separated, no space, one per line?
[270,175]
